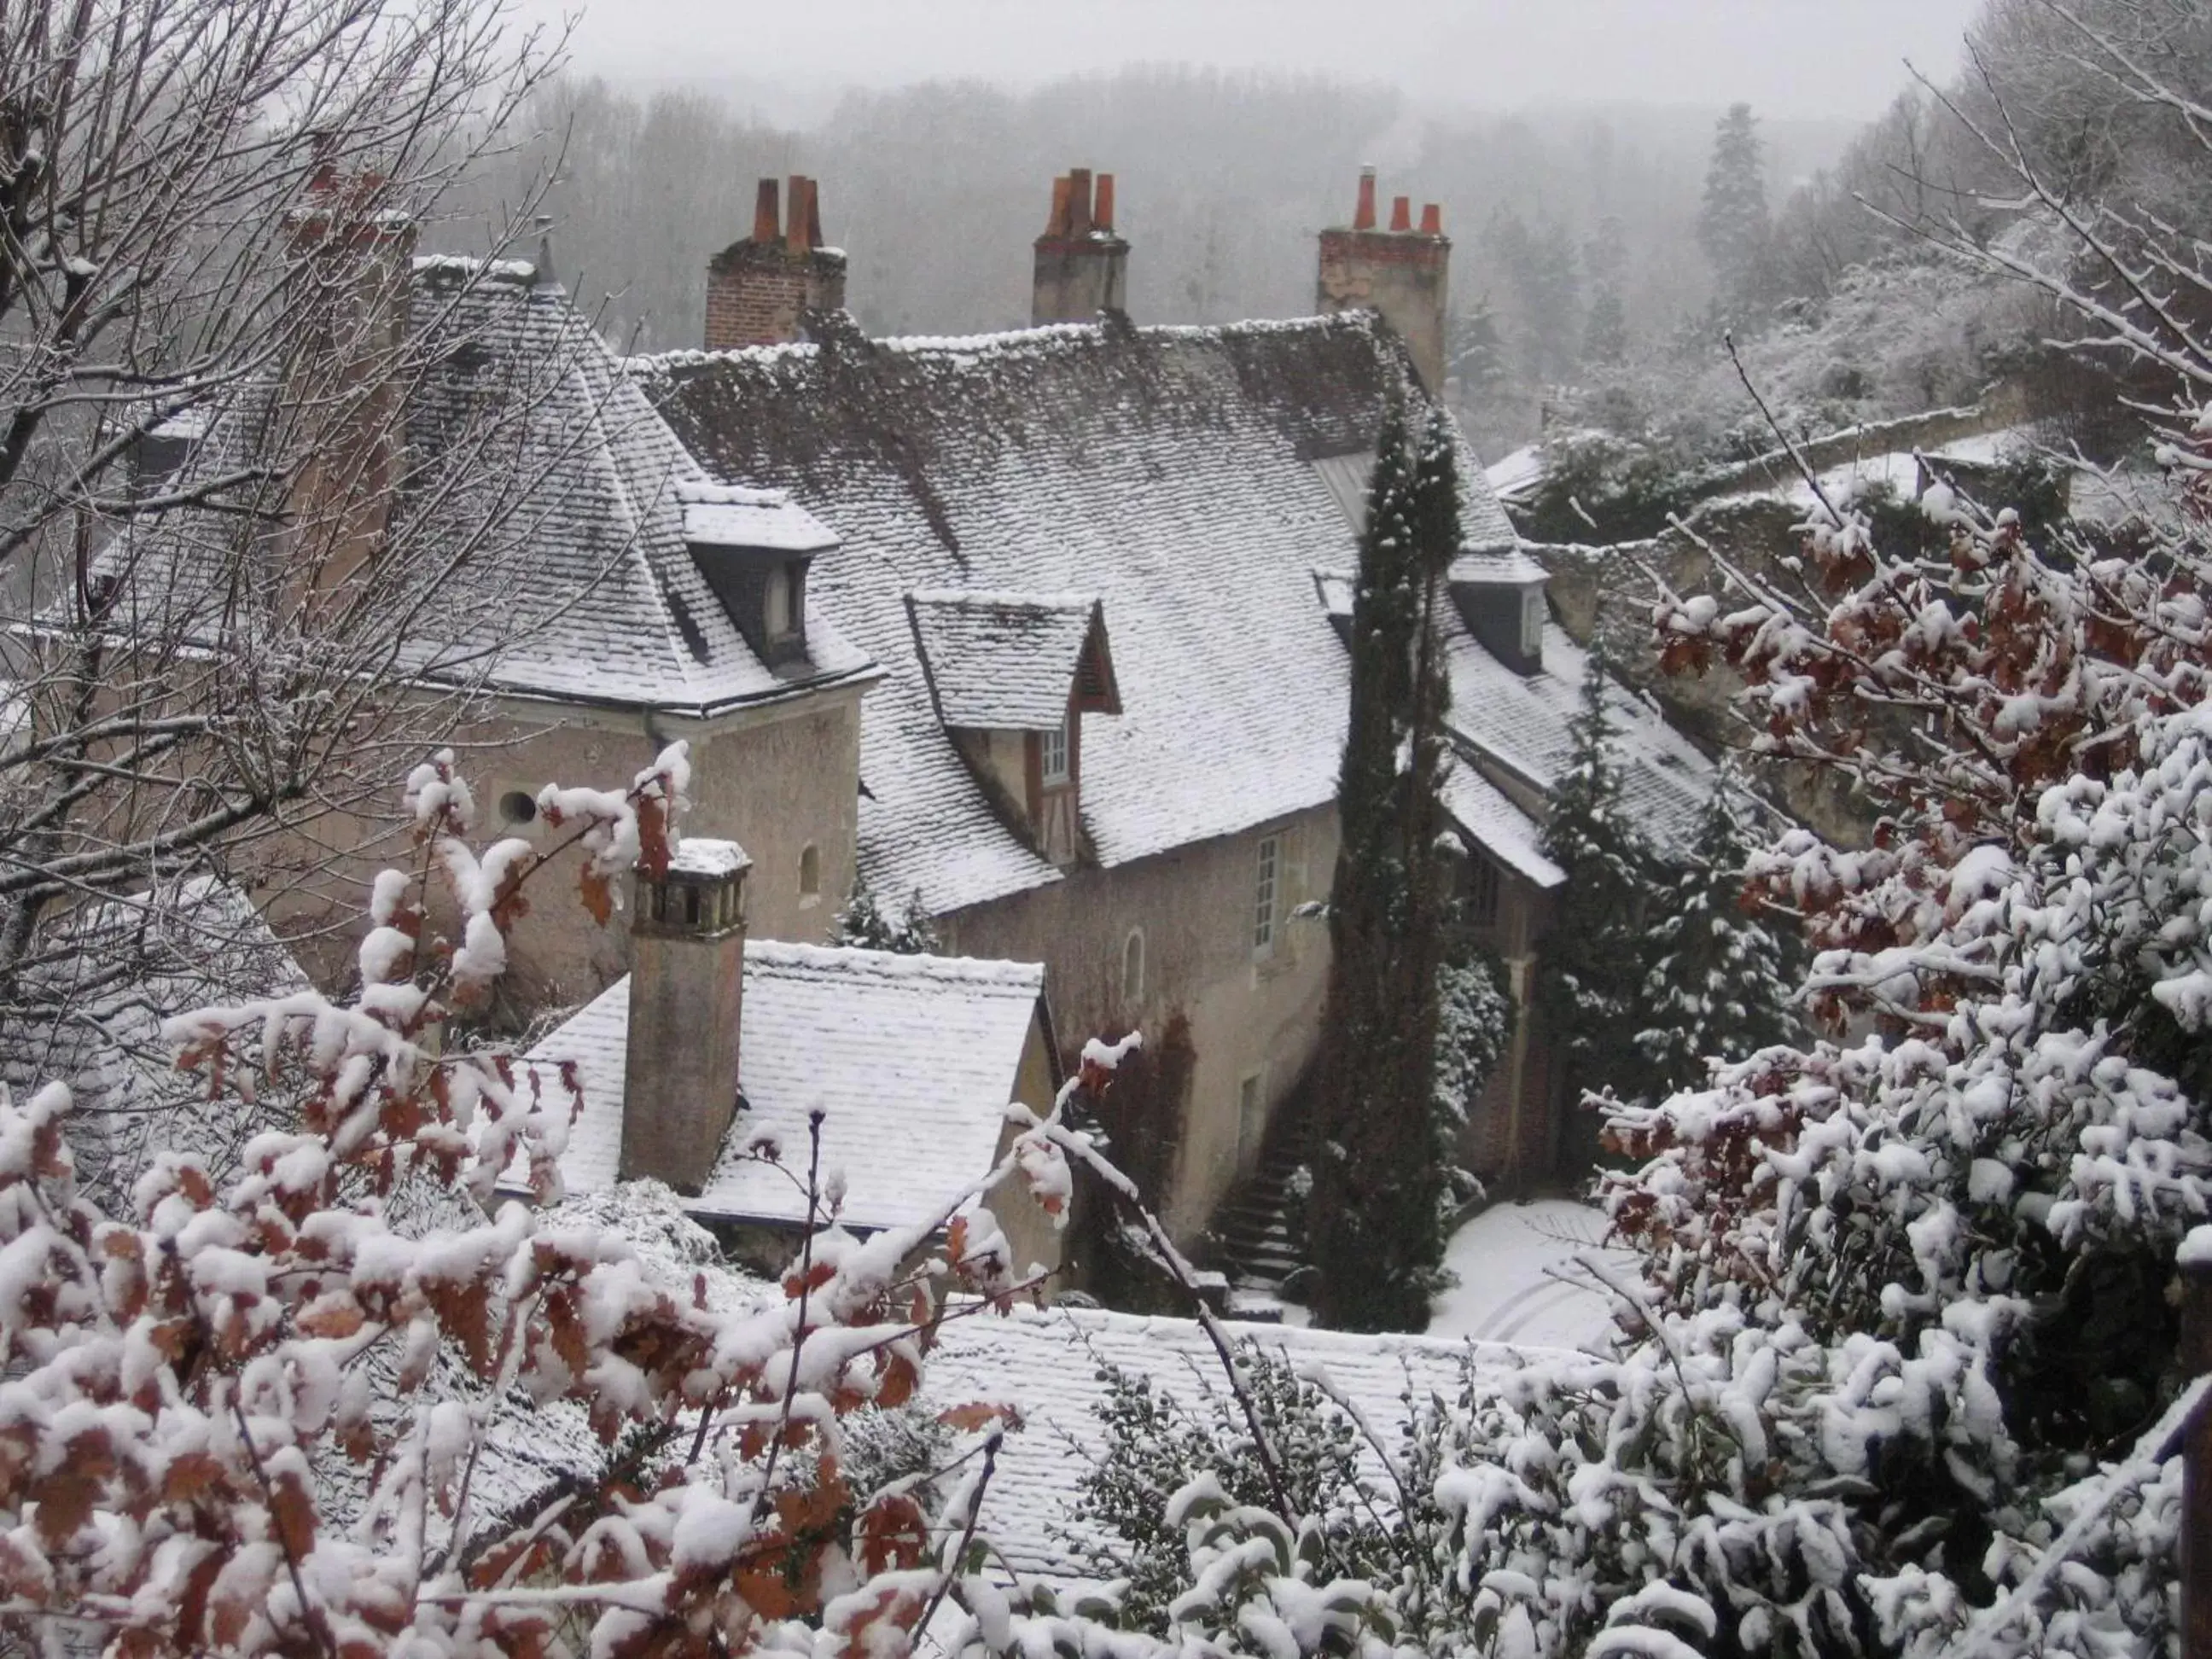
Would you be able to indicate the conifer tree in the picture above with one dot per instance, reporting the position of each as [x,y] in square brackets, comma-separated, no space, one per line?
[868,923]
[1733,227]
[1719,984]
[1591,986]
[1374,1217]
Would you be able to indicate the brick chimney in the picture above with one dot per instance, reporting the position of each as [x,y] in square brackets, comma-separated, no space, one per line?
[353,257]
[686,987]
[759,291]
[1082,266]
[1403,274]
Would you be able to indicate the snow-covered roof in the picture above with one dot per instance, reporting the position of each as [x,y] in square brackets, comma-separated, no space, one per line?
[1513,476]
[730,515]
[1178,474]
[573,496]
[912,1060]
[1048,1364]
[1520,723]
[1002,661]
[1483,813]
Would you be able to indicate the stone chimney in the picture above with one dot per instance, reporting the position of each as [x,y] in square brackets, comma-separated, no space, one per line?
[1403,274]
[1082,266]
[759,291]
[686,987]
[353,258]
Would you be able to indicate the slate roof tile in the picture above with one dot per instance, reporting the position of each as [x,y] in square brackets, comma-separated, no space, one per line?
[1001,661]
[1192,479]
[528,444]
[1048,1364]
[912,1060]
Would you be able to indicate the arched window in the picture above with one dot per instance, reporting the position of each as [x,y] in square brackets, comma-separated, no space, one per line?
[1133,966]
[810,873]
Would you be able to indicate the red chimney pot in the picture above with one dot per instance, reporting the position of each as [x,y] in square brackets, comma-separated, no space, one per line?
[1101,208]
[1078,201]
[1432,219]
[1401,213]
[1057,225]
[767,213]
[1363,217]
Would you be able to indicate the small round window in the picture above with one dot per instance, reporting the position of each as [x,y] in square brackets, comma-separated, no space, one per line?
[517,807]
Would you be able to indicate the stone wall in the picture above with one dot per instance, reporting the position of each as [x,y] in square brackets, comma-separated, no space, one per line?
[778,780]
[1251,1015]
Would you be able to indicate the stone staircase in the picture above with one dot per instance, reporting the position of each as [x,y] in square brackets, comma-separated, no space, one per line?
[1256,1241]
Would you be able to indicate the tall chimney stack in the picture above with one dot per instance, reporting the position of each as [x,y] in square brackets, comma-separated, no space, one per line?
[687,988]
[353,260]
[1082,265]
[760,291]
[1402,274]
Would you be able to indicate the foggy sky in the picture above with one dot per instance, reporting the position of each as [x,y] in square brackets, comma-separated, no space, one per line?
[1816,57]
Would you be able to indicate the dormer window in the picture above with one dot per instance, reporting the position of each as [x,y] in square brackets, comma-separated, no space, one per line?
[755,546]
[1011,676]
[1054,766]
[1500,593]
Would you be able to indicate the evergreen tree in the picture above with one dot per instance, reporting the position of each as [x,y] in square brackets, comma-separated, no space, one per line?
[911,931]
[1719,984]
[1474,350]
[1605,331]
[1591,984]
[1605,335]
[1378,1184]
[1733,227]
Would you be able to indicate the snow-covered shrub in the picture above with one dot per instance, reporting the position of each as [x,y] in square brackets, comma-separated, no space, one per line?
[1904,1313]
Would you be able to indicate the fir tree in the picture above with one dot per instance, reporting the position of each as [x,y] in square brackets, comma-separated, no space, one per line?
[1474,350]
[1605,335]
[1733,227]
[911,931]
[1591,985]
[1719,984]
[1378,1183]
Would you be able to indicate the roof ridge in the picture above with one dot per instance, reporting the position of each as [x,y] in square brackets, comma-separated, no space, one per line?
[895,964]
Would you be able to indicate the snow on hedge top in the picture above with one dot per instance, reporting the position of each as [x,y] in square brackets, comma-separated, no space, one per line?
[1002,661]
[912,1060]
[1169,472]
[1048,1364]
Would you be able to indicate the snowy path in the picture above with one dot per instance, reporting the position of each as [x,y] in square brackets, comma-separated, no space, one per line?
[1505,1293]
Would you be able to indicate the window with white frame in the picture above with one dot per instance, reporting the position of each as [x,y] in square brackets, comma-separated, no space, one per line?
[1266,889]
[1532,622]
[1055,753]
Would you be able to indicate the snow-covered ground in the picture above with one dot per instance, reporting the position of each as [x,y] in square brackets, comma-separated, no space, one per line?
[1506,1259]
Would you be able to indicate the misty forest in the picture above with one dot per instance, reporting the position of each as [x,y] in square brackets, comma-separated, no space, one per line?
[1187,860]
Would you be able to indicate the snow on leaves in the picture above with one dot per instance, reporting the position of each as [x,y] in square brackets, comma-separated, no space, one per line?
[259,1410]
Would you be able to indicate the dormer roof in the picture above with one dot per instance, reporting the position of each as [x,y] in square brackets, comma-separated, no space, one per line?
[728,515]
[1010,661]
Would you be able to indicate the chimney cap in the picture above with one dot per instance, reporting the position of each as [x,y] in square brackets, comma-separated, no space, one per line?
[699,858]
